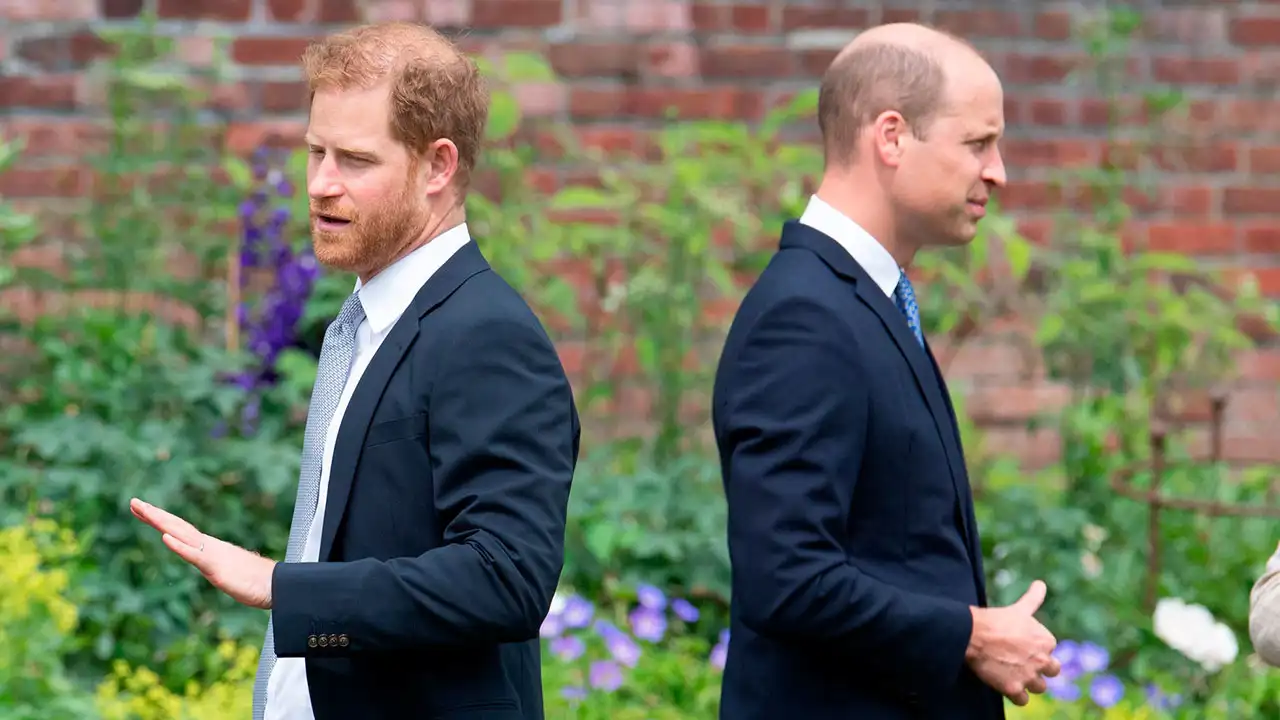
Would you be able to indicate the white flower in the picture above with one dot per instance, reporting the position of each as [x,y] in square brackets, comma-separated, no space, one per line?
[1191,630]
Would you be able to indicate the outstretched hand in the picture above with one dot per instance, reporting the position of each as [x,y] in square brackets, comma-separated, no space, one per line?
[243,575]
[1010,650]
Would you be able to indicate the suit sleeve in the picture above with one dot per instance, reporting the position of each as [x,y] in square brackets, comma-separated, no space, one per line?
[795,411]
[503,444]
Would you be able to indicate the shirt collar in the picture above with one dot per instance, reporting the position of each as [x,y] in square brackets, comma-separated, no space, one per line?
[866,250]
[390,292]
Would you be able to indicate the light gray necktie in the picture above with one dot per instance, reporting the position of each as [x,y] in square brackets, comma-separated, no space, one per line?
[331,377]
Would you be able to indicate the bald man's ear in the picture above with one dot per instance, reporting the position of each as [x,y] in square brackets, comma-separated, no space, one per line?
[889,131]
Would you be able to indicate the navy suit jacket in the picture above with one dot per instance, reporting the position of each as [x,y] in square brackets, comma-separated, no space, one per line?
[443,537]
[854,549]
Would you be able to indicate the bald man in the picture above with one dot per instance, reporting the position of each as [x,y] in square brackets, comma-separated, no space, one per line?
[858,588]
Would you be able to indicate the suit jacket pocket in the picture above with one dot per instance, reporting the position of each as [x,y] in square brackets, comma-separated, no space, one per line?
[403,428]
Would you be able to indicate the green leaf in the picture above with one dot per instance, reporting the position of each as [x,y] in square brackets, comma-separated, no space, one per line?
[581,197]
[527,67]
[504,116]
[1017,252]
[239,171]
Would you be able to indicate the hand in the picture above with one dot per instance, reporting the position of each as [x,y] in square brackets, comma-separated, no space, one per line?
[1010,650]
[243,575]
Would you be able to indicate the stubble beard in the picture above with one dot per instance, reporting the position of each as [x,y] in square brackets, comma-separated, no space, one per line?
[373,239]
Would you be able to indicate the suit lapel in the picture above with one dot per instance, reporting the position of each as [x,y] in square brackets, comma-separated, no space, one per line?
[839,260]
[465,263]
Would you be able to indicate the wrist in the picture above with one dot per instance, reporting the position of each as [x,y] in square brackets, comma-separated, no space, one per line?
[978,635]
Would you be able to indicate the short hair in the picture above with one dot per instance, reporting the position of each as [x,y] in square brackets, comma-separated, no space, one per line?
[437,91]
[867,81]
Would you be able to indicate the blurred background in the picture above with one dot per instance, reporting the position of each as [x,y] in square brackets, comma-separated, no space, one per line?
[1109,338]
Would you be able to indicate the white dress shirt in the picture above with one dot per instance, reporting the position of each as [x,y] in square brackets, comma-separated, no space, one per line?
[384,299]
[866,250]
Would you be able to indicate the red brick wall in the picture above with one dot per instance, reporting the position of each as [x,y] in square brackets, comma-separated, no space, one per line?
[624,61]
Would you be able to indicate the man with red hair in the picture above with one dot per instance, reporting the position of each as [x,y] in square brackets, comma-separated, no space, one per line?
[442,436]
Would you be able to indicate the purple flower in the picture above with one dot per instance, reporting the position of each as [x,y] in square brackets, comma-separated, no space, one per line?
[1093,658]
[574,693]
[1106,690]
[605,675]
[1067,653]
[623,648]
[651,597]
[1063,687]
[720,653]
[568,647]
[684,610]
[577,612]
[648,624]
[1160,701]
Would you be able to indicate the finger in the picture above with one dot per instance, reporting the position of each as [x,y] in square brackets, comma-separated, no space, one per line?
[1037,686]
[194,555]
[1032,598]
[166,522]
[1020,698]
[1051,668]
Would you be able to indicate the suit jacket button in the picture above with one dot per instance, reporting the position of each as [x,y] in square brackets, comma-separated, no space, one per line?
[343,641]
[324,641]
[311,641]
[333,641]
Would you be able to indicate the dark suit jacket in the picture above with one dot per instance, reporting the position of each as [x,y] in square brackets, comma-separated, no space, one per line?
[851,531]
[443,535]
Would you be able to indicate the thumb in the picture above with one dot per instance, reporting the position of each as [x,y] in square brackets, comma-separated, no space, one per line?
[1033,598]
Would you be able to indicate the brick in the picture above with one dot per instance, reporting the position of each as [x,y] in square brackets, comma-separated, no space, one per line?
[1197,157]
[487,14]
[1262,239]
[1264,160]
[1261,200]
[226,10]
[1195,70]
[824,18]
[900,15]
[27,182]
[1196,201]
[1259,364]
[541,99]
[120,9]
[56,137]
[244,138]
[1255,31]
[282,97]
[1049,153]
[46,92]
[288,10]
[671,60]
[269,50]
[1193,238]
[1053,25]
[574,60]
[1011,403]
[1030,195]
[747,61]
[1044,111]
[29,10]
[346,11]
[974,24]
[1032,69]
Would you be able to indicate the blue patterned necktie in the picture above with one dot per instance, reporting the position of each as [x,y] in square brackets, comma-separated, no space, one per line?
[905,298]
[331,377]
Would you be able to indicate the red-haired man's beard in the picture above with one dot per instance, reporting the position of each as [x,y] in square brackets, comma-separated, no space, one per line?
[364,239]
